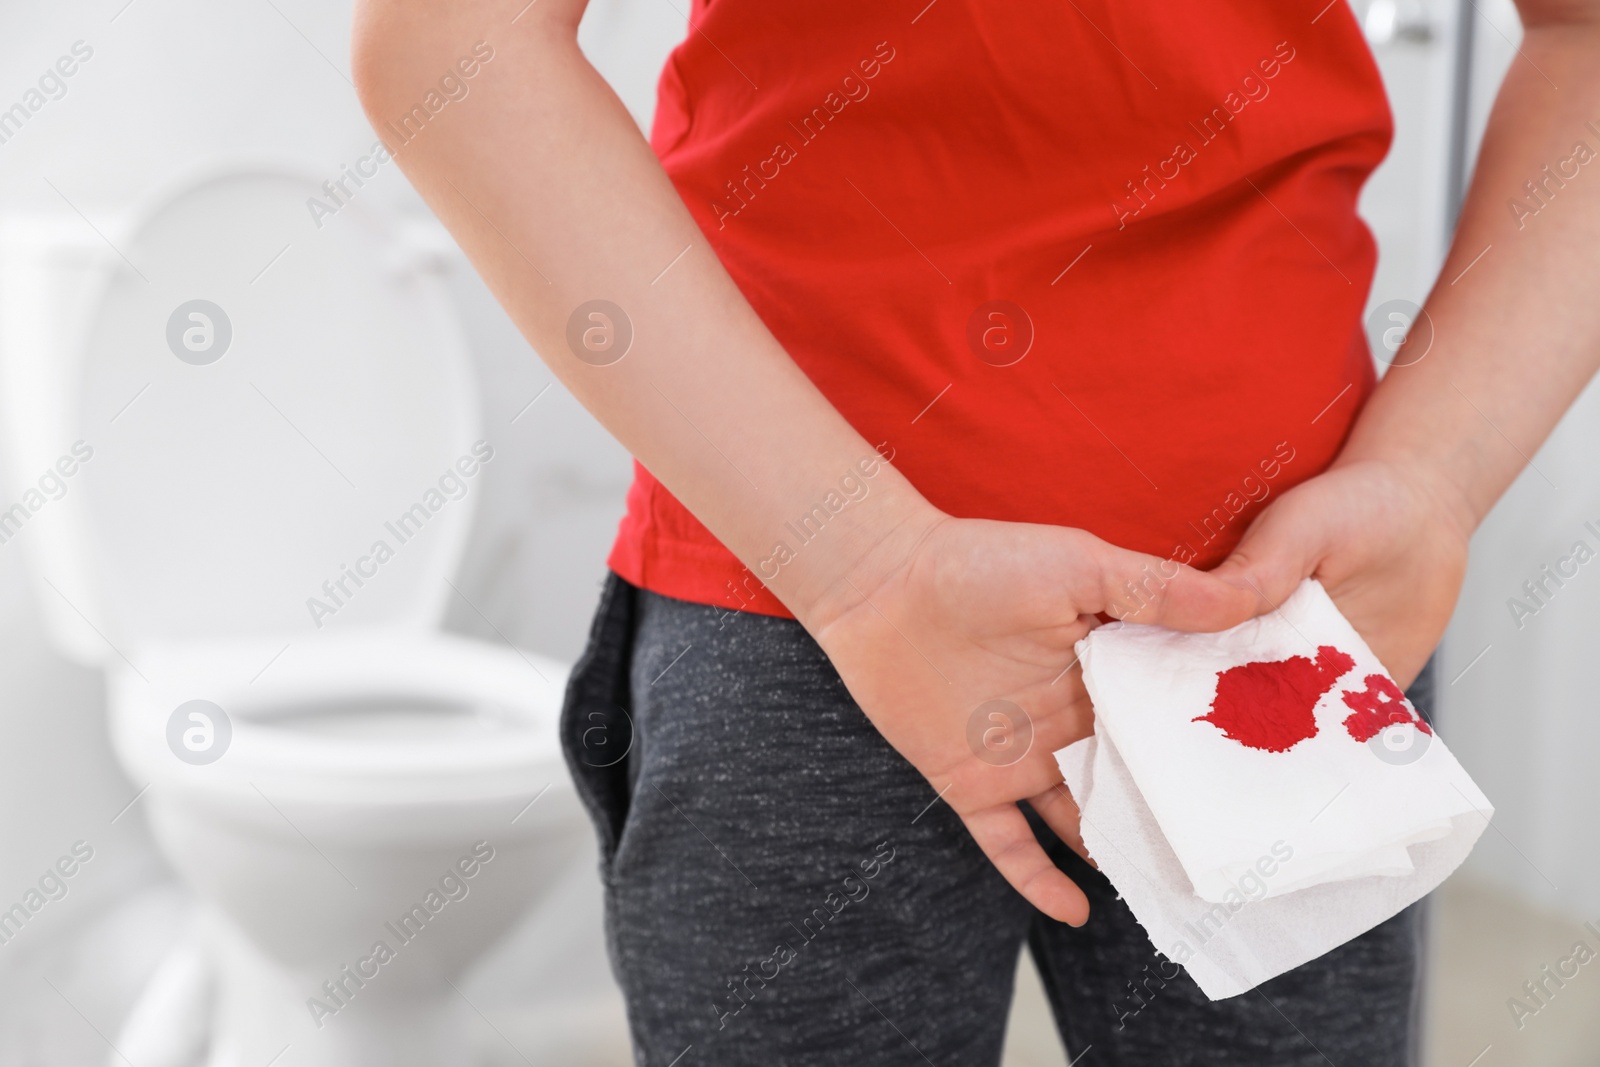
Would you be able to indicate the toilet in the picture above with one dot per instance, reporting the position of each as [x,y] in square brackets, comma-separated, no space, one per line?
[244,452]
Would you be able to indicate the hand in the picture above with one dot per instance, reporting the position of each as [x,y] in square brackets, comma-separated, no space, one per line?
[980,611]
[1389,549]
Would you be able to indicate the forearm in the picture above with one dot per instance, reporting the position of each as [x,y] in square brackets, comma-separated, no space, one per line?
[1516,323]
[541,176]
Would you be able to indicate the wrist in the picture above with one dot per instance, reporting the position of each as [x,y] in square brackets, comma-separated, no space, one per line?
[1415,426]
[866,558]
[1433,477]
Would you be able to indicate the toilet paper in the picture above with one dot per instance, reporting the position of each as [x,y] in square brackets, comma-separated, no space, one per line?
[1260,796]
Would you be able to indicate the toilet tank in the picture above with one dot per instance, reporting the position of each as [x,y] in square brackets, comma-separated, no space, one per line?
[226,421]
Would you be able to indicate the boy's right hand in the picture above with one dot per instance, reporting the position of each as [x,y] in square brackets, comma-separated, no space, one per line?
[975,612]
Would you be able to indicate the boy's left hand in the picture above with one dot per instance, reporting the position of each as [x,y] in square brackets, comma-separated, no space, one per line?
[1390,550]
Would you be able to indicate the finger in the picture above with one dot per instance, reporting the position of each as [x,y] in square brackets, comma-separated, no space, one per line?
[1059,811]
[1162,592]
[1272,559]
[1073,722]
[1006,838]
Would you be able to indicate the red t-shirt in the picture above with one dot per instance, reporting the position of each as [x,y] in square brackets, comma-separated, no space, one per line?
[1095,264]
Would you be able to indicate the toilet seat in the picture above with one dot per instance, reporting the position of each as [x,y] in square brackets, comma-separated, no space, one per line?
[183,564]
[319,725]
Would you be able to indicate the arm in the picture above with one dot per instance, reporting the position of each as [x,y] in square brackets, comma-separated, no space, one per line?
[542,177]
[1516,337]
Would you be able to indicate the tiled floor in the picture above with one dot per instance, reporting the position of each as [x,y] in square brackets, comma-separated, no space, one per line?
[1484,946]
[1031,1039]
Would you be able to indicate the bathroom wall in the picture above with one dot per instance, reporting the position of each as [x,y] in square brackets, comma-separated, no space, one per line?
[1519,687]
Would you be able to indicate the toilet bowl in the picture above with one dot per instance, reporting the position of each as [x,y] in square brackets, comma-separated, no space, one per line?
[396,758]
[216,413]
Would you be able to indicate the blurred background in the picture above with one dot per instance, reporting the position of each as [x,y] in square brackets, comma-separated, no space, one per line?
[176,110]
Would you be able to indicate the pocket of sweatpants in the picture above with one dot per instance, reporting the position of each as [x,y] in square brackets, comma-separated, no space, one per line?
[597,733]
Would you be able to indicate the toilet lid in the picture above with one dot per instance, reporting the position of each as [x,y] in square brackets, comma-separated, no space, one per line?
[282,420]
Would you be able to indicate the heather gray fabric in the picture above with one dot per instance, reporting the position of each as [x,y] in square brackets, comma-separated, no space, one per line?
[782,888]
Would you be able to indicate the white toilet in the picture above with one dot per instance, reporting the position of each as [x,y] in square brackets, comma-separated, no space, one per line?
[203,490]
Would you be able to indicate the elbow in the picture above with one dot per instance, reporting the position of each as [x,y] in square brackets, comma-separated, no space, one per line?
[1559,14]
[383,40]
[399,47]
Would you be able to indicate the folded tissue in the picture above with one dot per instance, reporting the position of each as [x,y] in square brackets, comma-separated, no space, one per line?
[1260,796]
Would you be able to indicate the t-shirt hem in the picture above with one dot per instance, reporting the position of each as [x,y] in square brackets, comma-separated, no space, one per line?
[695,572]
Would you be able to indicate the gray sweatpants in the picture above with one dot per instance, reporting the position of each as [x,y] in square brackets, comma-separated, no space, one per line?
[783,888]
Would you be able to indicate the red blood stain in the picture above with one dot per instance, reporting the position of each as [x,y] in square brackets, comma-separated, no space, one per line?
[1381,704]
[1272,706]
